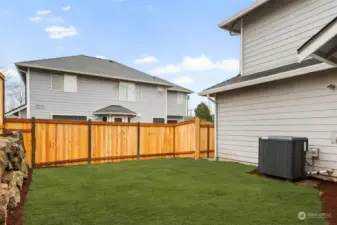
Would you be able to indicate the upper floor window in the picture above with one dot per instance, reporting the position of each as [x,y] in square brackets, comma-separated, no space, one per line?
[66,83]
[129,91]
[180,98]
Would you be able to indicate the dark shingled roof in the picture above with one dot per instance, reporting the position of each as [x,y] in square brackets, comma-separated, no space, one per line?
[239,78]
[114,110]
[98,67]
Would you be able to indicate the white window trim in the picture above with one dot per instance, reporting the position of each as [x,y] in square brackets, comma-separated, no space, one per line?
[180,98]
[66,87]
[51,82]
[141,92]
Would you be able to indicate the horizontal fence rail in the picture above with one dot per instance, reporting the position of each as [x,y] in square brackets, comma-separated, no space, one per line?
[65,142]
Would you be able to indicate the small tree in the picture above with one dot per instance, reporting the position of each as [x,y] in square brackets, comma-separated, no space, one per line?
[202,111]
[16,93]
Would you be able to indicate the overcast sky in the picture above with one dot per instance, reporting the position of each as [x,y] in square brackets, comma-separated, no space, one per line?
[178,40]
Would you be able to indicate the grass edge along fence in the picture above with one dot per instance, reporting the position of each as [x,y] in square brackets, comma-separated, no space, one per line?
[51,143]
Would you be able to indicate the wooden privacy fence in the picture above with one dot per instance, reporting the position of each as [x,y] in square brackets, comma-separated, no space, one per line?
[2,102]
[63,142]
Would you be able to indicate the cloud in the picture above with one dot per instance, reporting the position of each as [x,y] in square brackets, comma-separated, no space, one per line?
[66,8]
[149,7]
[201,63]
[100,57]
[43,12]
[168,69]
[118,1]
[183,80]
[147,59]
[59,32]
[35,18]
[6,12]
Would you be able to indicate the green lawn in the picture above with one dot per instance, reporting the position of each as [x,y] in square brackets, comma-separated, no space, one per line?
[158,192]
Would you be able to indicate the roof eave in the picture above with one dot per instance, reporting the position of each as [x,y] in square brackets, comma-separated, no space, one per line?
[226,23]
[90,74]
[185,91]
[279,76]
[114,113]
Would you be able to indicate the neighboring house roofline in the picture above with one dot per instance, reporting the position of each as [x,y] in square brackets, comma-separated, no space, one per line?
[15,110]
[180,89]
[229,23]
[269,78]
[91,74]
[115,110]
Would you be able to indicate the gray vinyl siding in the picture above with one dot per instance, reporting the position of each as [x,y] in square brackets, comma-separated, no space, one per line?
[302,107]
[173,108]
[93,93]
[273,33]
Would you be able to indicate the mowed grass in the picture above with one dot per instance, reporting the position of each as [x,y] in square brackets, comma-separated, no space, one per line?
[165,191]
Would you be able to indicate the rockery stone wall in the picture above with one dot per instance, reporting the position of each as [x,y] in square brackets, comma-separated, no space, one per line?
[13,170]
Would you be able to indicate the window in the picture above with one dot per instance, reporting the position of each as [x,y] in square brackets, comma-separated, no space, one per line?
[57,82]
[180,98]
[129,91]
[104,118]
[118,120]
[158,120]
[172,121]
[68,117]
[66,83]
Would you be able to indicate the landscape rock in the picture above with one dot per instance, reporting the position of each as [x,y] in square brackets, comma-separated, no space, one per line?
[13,170]
[14,197]
[4,199]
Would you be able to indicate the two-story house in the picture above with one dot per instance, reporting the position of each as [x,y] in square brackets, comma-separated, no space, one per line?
[287,81]
[83,87]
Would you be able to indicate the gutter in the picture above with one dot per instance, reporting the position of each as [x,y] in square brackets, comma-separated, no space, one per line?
[279,76]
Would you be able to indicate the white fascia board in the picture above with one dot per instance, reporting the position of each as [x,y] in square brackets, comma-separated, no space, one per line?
[279,76]
[317,43]
[242,13]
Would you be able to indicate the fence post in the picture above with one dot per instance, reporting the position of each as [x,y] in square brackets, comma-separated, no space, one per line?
[2,125]
[138,141]
[197,138]
[208,139]
[89,141]
[174,140]
[33,142]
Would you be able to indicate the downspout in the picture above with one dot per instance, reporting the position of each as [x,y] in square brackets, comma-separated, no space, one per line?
[187,99]
[215,126]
